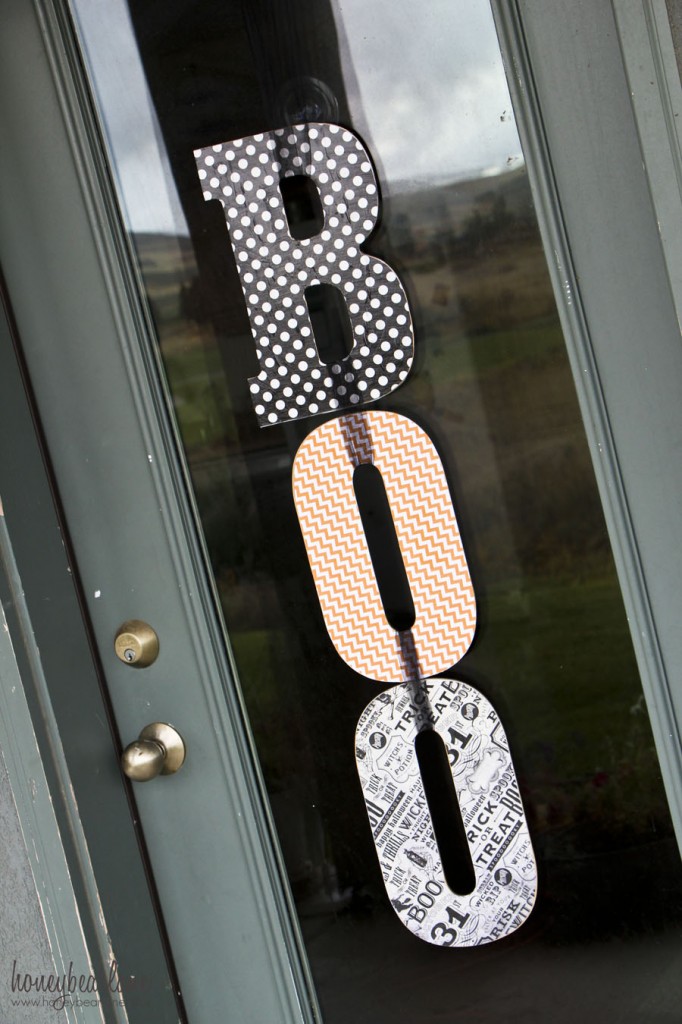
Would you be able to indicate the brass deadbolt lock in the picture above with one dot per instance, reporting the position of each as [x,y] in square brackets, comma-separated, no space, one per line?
[158,750]
[136,644]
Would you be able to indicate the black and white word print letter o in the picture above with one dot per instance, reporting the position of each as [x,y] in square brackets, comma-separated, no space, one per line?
[489,802]
[275,269]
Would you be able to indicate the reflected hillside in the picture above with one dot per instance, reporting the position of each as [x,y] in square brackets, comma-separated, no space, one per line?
[491,374]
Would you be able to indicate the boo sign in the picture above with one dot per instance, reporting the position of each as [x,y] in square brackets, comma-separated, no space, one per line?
[275,270]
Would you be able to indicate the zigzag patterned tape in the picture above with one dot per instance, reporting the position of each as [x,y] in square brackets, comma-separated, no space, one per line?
[427,532]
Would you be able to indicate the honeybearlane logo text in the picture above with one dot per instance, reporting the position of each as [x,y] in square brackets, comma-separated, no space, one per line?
[58,990]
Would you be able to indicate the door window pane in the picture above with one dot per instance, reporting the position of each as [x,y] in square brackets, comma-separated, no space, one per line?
[491,385]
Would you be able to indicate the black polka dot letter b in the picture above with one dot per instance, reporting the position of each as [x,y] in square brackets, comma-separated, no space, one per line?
[275,269]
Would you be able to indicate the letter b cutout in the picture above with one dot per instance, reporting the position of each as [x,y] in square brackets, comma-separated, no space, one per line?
[275,269]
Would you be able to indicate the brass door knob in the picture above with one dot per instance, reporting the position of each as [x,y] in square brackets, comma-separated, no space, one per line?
[159,750]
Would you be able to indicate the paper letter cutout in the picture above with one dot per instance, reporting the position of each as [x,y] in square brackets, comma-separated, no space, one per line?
[489,801]
[275,269]
[427,532]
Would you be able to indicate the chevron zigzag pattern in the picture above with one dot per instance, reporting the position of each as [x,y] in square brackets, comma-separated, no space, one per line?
[428,535]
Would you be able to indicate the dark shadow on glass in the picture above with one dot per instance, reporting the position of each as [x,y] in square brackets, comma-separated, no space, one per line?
[331,325]
[387,560]
[446,816]
[302,206]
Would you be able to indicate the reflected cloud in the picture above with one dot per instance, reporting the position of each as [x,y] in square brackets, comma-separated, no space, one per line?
[452,63]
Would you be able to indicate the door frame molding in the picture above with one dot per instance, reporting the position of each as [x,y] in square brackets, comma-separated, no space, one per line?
[599,178]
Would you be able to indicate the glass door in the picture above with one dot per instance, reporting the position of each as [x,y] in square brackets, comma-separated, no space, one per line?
[526,867]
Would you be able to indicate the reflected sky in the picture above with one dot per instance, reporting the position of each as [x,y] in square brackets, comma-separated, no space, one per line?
[433,104]
[145,185]
[430,91]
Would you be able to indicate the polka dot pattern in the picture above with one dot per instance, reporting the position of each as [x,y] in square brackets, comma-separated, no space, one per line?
[275,269]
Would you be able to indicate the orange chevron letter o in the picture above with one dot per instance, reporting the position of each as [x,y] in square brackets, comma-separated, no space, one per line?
[427,532]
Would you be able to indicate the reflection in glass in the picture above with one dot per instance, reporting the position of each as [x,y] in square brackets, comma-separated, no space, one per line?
[425,90]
